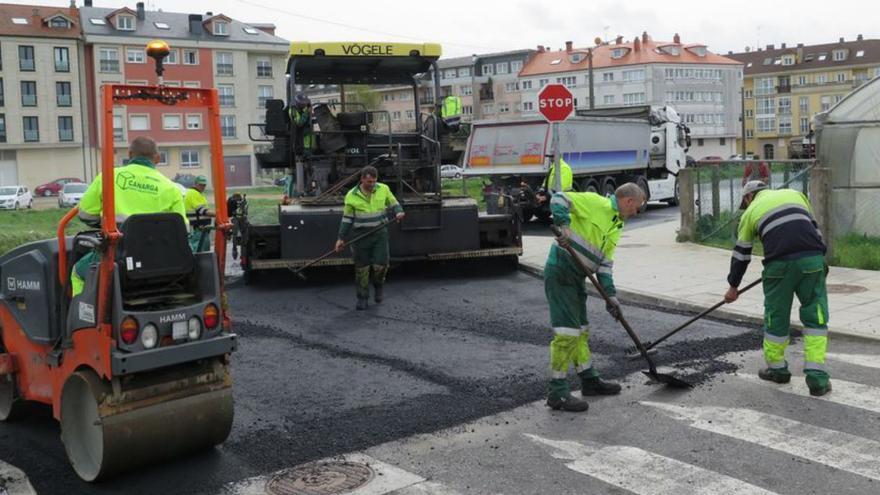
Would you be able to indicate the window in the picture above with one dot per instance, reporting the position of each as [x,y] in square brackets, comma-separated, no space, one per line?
[841,77]
[804,125]
[837,98]
[825,102]
[466,90]
[221,28]
[65,128]
[526,84]
[568,81]
[821,78]
[125,23]
[163,157]
[2,128]
[2,102]
[556,61]
[750,113]
[765,86]
[172,57]
[21,21]
[28,93]
[139,122]
[264,68]
[224,63]
[618,52]
[250,30]
[395,116]
[161,25]
[804,104]
[784,105]
[97,21]
[117,127]
[189,158]
[633,98]
[410,115]
[544,82]
[192,84]
[62,59]
[108,60]
[226,95]
[190,57]
[487,69]
[802,80]
[700,142]
[467,110]
[766,124]
[502,68]
[227,126]
[607,76]
[62,94]
[785,125]
[135,56]
[633,75]
[447,74]
[608,100]
[194,121]
[464,72]
[860,53]
[511,87]
[171,121]
[839,55]
[749,94]
[59,22]
[31,128]
[750,133]
[503,108]
[264,93]
[516,66]
[788,60]
[172,84]
[528,106]
[26,58]
[765,106]
[488,109]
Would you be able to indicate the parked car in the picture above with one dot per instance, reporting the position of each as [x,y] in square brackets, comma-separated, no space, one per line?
[450,171]
[71,194]
[711,158]
[54,188]
[15,197]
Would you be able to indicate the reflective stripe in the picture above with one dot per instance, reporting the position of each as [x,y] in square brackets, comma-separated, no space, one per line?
[571,332]
[766,216]
[808,365]
[605,269]
[559,374]
[744,244]
[560,199]
[347,220]
[369,216]
[368,224]
[88,216]
[583,367]
[590,264]
[821,317]
[786,219]
[742,257]
[587,246]
[815,332]
[778,366]
[775,338]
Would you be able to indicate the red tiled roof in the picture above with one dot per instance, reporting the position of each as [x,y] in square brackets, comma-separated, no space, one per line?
[36,15]
[638,53]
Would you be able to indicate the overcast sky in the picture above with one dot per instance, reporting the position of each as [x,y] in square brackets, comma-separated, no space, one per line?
[464,27]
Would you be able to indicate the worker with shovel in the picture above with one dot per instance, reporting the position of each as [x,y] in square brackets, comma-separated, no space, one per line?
[365,209]
[794,263]
[591,225]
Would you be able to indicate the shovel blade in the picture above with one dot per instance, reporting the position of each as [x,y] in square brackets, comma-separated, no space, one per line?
[668,380]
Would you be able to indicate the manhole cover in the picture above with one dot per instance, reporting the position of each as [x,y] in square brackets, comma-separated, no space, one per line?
[323,478]
[633,245]
[844,289]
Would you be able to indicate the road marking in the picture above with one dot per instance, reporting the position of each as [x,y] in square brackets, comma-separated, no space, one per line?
[13,481]
[644,472]
[866,360]
[833,448]
[845,393]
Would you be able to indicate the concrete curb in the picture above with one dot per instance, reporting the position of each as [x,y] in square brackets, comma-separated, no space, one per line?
[13,481]
[660,302]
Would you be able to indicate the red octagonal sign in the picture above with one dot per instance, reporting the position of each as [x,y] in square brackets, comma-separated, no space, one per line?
[555,102]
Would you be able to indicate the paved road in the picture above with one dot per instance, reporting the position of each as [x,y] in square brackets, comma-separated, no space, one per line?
[656,213]
[314,378]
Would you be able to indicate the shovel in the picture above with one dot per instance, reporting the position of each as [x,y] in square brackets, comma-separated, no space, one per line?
[652,373]
[634,354]
[298,271]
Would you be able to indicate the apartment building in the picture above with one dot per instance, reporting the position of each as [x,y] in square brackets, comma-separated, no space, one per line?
[246,63]
[42,131]
[785,87]
[702,86]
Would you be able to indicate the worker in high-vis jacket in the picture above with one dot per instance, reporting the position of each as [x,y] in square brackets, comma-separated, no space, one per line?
[591,224]
[366,208]
[450,111]
[138,188]
[565,177]
[794,264]
[198,214]
[300,113]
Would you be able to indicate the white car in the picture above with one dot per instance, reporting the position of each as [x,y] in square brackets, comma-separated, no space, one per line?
[71,194]
[15,197]
[450,171]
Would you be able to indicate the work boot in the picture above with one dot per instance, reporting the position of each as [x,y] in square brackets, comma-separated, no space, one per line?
[778,375]
[595,386]
[378,293]
[560,398]
[818,382]
[361,304]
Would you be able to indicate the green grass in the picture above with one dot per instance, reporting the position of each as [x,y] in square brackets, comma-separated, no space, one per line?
[857,251]
[452,187]
[259,190]
[23,226]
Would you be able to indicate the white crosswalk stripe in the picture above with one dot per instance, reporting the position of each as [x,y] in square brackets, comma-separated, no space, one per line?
[833,448]
[866,360]
[643,472]
[844,392]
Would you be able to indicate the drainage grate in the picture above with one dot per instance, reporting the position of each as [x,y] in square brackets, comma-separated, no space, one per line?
[322,478]
[844,289]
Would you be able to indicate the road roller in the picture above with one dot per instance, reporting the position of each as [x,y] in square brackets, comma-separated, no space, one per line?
[136,366]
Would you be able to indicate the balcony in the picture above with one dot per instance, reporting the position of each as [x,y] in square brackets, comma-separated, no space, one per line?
[783,89]
[486,95]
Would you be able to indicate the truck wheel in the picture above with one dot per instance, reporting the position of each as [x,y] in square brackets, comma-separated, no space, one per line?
[608,187]
[8,396]
[674,200]
[591,186]
[643,185]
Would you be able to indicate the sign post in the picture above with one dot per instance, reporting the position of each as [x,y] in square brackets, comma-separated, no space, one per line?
[555,102]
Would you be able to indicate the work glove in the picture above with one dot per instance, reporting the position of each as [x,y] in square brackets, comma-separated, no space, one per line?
[613,307]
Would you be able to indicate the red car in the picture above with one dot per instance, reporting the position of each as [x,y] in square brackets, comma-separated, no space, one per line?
[53,188]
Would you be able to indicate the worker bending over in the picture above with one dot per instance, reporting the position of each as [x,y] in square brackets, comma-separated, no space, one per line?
[199,215]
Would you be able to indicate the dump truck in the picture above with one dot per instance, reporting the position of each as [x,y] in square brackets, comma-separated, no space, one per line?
[604,148]
[350,136]
[136,366]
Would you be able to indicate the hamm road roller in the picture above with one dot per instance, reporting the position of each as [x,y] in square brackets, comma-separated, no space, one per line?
[136,366]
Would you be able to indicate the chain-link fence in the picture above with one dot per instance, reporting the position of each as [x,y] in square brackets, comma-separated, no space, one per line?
[715,188]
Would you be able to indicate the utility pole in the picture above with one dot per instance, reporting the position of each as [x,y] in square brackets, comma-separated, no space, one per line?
[590,75]
[742,118]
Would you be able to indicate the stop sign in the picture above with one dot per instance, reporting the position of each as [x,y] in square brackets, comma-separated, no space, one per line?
[555,102]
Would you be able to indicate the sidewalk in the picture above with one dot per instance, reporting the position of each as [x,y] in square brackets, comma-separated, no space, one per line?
[651,268]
